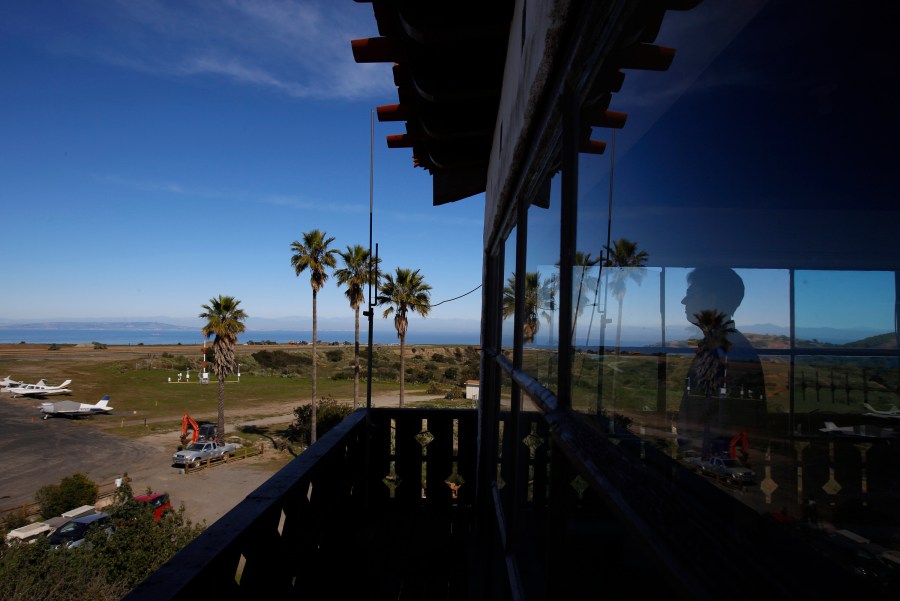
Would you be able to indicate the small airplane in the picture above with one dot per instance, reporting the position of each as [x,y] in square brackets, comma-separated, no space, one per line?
[873,412]
[75,408]
[832,428]
[40,389]
[8,382]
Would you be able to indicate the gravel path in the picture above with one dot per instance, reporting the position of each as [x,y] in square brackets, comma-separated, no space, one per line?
[45,451]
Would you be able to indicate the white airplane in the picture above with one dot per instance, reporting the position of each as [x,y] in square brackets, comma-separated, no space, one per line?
[873,412]
[832,428]
[40,389]
[8,382]
[75,408]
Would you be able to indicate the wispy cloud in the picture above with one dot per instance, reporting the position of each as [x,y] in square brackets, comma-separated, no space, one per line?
[299,48]
[316,205]
[167,187]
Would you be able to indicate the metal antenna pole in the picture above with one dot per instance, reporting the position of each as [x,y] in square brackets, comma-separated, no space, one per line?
[373,264]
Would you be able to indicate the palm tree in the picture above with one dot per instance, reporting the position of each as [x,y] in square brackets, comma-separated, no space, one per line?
[313,254]
[225,320]
[404,292]
[709,362]
[530,323]
[358,270]
[628,263]
[583,261]
[547,297]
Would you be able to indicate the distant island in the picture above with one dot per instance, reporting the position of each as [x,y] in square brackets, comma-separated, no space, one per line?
[95,325]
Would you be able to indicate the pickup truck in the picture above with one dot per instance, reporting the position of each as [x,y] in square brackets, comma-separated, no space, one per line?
[196,452]
[723,468]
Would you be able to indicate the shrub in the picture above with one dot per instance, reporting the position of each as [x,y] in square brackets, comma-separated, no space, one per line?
[435,388]
[73,491]
[14,519]
[329,413]
[99,346]
[54,347]
[437,357]
[281,360]
[451,373]
[335,355]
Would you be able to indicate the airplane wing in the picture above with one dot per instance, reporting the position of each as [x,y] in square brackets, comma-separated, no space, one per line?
[873,412]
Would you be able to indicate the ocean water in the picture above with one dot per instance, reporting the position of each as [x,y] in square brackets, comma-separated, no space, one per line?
[191,337]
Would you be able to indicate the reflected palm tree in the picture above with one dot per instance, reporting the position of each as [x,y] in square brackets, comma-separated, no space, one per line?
[583,264]
[709,365]
[547,300]
[530,323]
[627,263]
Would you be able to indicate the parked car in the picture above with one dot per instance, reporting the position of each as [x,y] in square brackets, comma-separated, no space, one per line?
[159,501]
[72,534]
[723,468]
[198,451]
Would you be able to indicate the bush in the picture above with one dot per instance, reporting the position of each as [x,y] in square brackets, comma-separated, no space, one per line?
[281,360]
[335,355]
[54,347]
[437,357]
[106,569]
[99,346]
[451,373]
[14,519]
[329,413]
[435,388]
[73,491]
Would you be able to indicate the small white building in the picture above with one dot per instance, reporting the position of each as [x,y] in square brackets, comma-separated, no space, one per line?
[472,387]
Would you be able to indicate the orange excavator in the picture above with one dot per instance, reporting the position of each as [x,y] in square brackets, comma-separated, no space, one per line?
[740,440]
[197,432]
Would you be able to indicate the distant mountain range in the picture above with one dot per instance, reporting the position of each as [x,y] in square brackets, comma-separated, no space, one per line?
[764,335]
[95,325]
[253,324]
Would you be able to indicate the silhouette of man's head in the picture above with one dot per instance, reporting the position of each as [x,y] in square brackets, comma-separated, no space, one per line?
[718,288]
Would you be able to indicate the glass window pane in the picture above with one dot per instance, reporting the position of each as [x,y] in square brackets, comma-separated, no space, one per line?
[541,319]
[509,299]
[845,308]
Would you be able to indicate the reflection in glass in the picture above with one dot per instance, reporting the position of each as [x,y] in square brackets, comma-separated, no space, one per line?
[852,308]
[724,390]
[542,287]
[509,266]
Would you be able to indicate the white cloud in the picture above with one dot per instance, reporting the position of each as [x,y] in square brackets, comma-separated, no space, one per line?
[299,48]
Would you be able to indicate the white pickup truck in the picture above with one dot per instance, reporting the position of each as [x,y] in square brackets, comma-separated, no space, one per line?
[723,468]
[196,452]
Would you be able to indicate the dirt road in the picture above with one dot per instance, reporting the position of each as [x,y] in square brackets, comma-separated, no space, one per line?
[43,452]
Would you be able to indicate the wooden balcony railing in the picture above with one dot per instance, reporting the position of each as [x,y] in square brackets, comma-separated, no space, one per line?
[383,506]
[340,521]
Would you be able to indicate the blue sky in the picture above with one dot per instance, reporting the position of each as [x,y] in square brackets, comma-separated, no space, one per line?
[155,154]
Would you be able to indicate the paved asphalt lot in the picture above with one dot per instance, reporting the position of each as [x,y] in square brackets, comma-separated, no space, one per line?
[37,452]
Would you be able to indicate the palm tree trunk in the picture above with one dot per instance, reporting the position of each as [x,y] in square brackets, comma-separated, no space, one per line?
[312,425]
[618,352]
[402,366]
[220,424]
[356,362]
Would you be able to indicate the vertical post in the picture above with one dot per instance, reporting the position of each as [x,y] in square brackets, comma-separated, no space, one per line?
[568,217]
[373,263]
[662,358]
